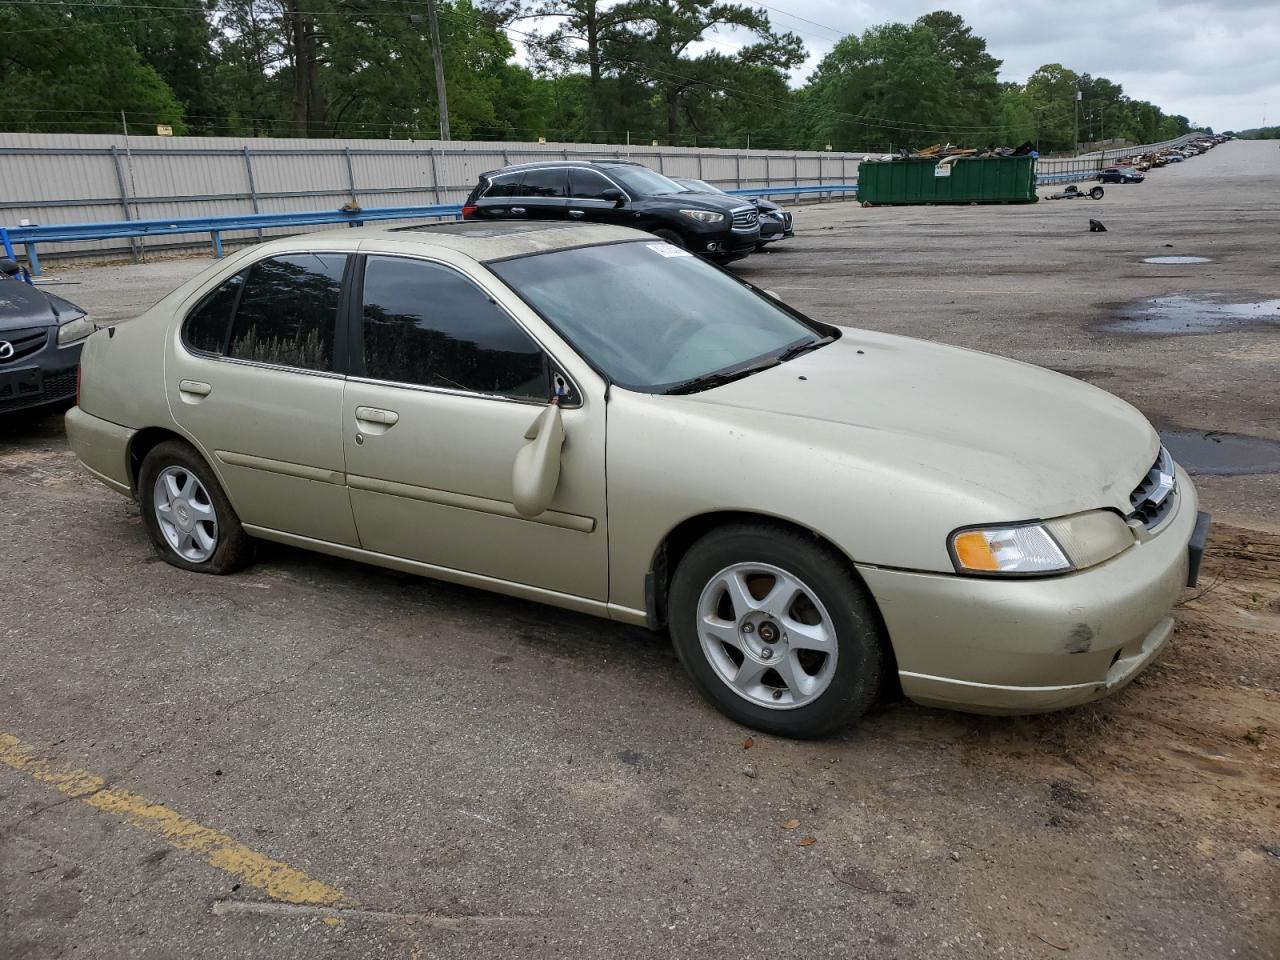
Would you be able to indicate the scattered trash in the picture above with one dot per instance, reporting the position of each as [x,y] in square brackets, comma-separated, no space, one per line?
[749,771]
[1095,226]
[791,825]
[1056,946]
[748,743]
[954,855]
[806,841]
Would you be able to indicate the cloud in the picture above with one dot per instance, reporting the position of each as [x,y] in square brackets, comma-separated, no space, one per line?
[1214,62]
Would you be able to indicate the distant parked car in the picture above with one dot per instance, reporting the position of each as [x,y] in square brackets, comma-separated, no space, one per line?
[775,223]
[40,340]
[619,193]
[1120,175]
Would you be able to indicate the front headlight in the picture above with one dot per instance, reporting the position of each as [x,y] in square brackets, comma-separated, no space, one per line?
[1054,546]
[74,330]
[703,216]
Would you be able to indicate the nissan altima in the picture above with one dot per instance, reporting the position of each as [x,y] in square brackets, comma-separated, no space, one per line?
[589,417]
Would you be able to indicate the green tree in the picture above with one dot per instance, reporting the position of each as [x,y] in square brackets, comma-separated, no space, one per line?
[77,72]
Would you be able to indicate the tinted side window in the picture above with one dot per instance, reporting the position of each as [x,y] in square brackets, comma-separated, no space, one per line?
[207,325]
[507,185]
[288,310]
[545,183]
[588,185]
[427,324]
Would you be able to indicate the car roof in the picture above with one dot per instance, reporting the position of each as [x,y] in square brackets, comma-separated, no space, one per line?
[537,164]
[484,241]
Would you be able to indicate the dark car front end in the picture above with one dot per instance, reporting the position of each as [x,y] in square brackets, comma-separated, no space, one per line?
[40,340]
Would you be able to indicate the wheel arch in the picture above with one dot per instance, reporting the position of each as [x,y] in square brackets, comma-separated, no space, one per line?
[142,443]
[684,535]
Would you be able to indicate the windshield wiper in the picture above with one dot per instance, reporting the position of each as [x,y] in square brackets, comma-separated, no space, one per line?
[720,377]
[792,352]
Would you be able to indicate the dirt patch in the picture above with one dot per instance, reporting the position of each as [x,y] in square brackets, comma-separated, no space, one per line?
[1197,736]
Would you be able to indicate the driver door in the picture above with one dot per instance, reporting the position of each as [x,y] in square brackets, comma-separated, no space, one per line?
[447,384]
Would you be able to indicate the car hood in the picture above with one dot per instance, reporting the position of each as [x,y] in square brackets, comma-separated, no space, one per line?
[709,201]
[1027,442]
[22,305]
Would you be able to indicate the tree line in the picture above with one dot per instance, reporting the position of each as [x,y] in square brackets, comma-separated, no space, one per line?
[594,71]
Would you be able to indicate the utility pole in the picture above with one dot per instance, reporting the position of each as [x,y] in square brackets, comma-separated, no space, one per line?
[442,97]
[1077,124]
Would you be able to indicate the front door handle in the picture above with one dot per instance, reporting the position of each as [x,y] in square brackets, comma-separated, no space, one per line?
[576,214]
[376,415]
[517,210]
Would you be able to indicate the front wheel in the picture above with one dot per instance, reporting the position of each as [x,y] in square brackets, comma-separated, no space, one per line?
[189,519]
[1096,193]
[776,631]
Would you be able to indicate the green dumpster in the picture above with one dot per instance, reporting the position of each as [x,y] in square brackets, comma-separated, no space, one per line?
[965,180]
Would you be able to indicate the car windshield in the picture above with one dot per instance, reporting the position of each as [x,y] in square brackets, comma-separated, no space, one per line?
[644,181]
[653,317]
[700,186]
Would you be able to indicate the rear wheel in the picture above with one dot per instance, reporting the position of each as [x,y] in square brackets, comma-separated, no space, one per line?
[1096,193]
[776,631]
[189,519]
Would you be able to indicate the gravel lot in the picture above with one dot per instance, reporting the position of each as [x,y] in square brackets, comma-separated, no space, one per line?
[463,775]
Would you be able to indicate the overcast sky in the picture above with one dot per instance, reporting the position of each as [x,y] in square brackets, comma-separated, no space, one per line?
[1218,63]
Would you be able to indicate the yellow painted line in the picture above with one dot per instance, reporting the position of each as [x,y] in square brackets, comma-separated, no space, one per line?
[277,880]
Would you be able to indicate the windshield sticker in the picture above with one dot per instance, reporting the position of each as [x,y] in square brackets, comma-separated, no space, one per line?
[668,250]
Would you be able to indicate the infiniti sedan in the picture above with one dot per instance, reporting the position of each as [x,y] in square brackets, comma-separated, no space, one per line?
[590,417]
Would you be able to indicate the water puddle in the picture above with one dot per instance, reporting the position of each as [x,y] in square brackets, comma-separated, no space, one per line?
[1176,260]
[1222,454]
[1181,314]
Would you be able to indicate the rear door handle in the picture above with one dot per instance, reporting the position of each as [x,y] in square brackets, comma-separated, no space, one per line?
[386,418]
[517,210]
[193,390]
[576,214]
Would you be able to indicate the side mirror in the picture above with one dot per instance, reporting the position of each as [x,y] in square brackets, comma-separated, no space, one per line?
[9,268]
[613,194]
[536,472]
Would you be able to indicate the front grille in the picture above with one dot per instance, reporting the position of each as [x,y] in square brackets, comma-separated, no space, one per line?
[1153,498]
[22,342]
[746,218]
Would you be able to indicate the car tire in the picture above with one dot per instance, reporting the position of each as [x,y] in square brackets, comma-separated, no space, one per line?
[670,236]
[802,593]
[1096,193]
[187,515]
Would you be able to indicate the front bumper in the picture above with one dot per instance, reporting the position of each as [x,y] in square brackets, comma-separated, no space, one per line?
[1033,645]
[40,379]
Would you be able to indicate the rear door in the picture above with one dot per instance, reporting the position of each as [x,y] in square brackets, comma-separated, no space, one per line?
[543,194]
[255,379]
[445,384]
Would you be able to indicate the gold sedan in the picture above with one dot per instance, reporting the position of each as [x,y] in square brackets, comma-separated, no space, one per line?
[589,417]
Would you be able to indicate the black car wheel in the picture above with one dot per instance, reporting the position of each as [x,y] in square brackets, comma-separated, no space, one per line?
[670,236]
[1096,193]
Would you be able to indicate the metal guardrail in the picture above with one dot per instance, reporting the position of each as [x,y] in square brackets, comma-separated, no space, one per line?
[29,236]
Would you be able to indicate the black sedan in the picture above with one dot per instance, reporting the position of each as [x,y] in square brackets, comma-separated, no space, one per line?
[40,340]
[1120,175]
[775,223]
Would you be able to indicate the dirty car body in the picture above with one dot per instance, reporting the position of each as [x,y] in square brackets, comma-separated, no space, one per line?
[588,417]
